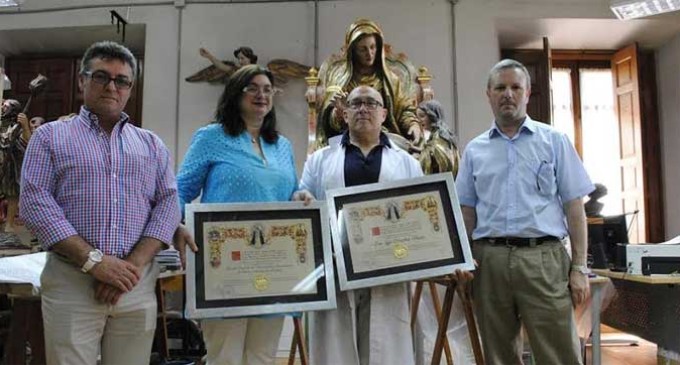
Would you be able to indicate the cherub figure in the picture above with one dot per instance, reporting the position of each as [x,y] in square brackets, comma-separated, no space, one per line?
[220,70]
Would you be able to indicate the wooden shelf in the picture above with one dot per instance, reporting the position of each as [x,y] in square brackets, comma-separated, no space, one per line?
[651,279]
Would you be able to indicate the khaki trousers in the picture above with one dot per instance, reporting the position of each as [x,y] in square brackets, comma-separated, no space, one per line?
[529,286]
[78,327]
[242,341]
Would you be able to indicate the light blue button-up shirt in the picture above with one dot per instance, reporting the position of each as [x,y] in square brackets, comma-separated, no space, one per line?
[226,169]
[518,185]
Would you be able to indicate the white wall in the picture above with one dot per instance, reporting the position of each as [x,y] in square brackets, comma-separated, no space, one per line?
[278,30]
[668,67]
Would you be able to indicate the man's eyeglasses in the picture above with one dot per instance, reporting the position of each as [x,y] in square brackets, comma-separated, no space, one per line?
[103,78]
[253,90]
[370,104]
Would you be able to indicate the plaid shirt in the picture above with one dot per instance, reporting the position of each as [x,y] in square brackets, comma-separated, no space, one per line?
[109,189]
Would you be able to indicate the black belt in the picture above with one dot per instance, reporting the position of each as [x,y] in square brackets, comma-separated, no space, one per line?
[519,241]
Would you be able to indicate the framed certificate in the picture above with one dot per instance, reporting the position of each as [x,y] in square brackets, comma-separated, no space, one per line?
[398,231]
[258,259]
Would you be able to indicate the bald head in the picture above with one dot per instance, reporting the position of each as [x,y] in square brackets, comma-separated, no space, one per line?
[365,113]
[365,92]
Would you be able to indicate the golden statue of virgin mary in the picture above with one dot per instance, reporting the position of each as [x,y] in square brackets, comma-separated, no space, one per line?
[363,62]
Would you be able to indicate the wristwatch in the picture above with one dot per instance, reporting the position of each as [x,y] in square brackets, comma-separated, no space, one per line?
[93,258]
[583,269]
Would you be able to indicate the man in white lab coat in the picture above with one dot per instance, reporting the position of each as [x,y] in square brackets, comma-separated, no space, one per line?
[370,326]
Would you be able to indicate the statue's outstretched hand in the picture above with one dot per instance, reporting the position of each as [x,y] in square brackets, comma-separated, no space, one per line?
[205,53]
[415,132]
[23,121]
[338,99]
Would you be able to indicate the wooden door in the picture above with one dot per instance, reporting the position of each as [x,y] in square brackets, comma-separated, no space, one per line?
[624,66]
[538,63]
[651,143]
[56,99]
[547,100]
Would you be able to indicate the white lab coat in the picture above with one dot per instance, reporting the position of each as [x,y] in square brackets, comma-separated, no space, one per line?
[332,334]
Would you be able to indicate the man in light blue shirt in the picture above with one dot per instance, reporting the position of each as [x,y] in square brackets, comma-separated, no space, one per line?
[521,186]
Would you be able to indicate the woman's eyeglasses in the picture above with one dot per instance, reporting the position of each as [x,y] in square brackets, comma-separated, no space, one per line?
[253,90]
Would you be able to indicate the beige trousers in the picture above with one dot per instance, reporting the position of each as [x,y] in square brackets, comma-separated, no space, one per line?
[78,328]
[525,286]
[242,341]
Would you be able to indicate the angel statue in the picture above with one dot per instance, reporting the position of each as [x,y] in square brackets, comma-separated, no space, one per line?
[14,136]
[366,60]
[220,70]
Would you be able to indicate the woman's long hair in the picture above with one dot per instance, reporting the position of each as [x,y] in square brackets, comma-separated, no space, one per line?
[229,106]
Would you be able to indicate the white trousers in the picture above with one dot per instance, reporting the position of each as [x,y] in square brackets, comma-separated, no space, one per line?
[78,327]
[242,341]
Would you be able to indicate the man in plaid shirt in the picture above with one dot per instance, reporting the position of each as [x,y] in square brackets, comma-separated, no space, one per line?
[100,195]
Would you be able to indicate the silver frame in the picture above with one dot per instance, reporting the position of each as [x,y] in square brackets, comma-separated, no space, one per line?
[346,284]
[191,310]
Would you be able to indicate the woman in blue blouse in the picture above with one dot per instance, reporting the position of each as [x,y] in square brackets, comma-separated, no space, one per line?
[240,158]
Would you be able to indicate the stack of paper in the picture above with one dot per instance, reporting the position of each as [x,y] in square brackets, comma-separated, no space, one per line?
[169,260]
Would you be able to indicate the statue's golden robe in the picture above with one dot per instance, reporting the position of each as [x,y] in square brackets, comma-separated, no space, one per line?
[337,74]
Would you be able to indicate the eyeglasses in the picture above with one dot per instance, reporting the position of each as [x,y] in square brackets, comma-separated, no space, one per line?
[370,104]
[253,90]
[103,78]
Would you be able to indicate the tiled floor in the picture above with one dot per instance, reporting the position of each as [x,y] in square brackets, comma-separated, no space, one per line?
[644,353]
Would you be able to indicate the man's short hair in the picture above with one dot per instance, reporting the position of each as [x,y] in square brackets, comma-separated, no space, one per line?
[108,50]
[505,65]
